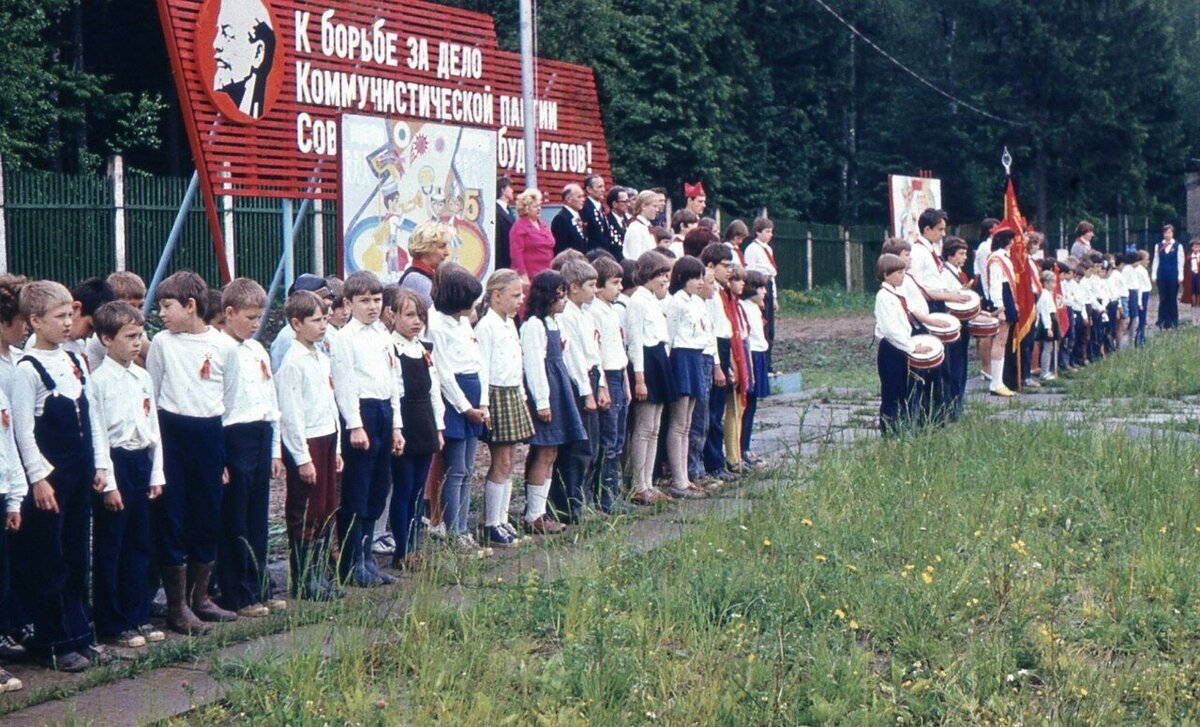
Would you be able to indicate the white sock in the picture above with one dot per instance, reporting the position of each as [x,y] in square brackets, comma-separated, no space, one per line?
[997,374]
[536,505]
[493,500]
[506,501]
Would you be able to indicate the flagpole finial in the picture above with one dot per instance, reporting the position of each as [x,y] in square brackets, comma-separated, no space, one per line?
[1006,161]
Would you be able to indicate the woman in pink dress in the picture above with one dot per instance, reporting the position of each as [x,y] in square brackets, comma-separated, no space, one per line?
[530,241]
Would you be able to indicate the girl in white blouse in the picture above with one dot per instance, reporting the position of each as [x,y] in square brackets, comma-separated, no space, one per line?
[653,383]
[688,331]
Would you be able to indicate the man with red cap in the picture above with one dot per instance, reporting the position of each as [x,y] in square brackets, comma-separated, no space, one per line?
[695,198]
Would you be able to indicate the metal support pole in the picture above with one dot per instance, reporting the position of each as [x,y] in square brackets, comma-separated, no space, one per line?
[289,233]
[164,261]
[528,102]
[289,238]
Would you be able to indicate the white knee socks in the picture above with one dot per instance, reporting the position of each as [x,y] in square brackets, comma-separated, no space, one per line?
[535,504]
[493,502]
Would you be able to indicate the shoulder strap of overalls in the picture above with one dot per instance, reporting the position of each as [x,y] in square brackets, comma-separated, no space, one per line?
[47,380]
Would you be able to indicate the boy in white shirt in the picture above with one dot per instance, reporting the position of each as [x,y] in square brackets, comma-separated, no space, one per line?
[367,393]
[575,467]
[308,426]
[189,363]
[124,396]
[613,361]
[61,441]
[760,256]
[252,457]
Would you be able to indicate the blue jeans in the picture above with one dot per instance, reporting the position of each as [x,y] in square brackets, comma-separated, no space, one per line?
[612,441]
[459,455]
[699,430]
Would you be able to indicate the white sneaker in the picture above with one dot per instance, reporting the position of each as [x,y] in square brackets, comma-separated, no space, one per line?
[384,545]
[437,532]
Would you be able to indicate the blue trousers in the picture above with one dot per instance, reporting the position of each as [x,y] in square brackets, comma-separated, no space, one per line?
[459,456]
[1141,325]
[575,467]
[612,441]
[714,445]
[189,511]
[409,473]
[1168,302]
[895,413]
[242,549]
[121,548]
[366,480]
[699,429]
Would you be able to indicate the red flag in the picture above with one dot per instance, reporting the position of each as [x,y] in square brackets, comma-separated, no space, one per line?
[1019,254]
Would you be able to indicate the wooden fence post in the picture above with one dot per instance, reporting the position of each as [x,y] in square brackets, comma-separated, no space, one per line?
[116,178]
[808,261]
[846,251]
[3,235]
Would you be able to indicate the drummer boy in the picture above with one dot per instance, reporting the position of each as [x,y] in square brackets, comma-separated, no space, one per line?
[954,252]
[894,327]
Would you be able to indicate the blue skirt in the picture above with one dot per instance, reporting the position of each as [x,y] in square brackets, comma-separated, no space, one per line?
[457,426]
[687,367]
[565,424]
[762,384]
[660,380]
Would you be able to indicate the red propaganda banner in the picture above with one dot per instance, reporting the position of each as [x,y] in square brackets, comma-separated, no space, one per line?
[263,85]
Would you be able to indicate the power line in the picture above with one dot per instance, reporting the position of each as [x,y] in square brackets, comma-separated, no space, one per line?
[921,79]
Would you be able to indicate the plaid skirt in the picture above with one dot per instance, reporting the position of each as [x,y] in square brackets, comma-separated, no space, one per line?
[510,421]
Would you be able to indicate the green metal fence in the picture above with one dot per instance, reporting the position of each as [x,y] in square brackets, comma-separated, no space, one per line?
[828,261]
[62,227]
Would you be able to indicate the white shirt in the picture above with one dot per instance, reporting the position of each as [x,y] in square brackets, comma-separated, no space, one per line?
[982,252]
[891,322]
[638,238]
[1179,256]
[914,296]
[676,248]
[456,350]
[646,326]
[188,370]
[758,258]
[1142,278]
[307,408]
[8,368]
[13,486]
[364,367]
[999,271]
[758,332]
[950,279]
[612,334]
[1117,288]
[501,347]
[533,340]
[1046,309]
[29,401]
[251,390]
[583,345]
[721,326]
[124,399]
[687,324]
[926,267]
[415,349]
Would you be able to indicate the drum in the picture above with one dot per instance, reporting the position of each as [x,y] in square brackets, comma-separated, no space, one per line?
[930,359]
[965,311]
[983,326]
[946,327]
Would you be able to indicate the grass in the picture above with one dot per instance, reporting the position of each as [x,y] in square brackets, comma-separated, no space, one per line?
[827,364]
[1166,369]
[893,580]
[824,303]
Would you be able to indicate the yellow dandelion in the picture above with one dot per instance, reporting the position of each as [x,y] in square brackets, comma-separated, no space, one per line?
[808,523]
[766,543]
[938,558]
[904,574]
[852,568]
[853,624]
[1162,530]
[841,615]
[1083,692]
[909,566]
[821,558]
[928,569]
[751,658]
[927,578]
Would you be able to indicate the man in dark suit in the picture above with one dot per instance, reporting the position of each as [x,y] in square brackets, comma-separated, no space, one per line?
[504,220]
[618,209]
[568,227]
[599,233]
